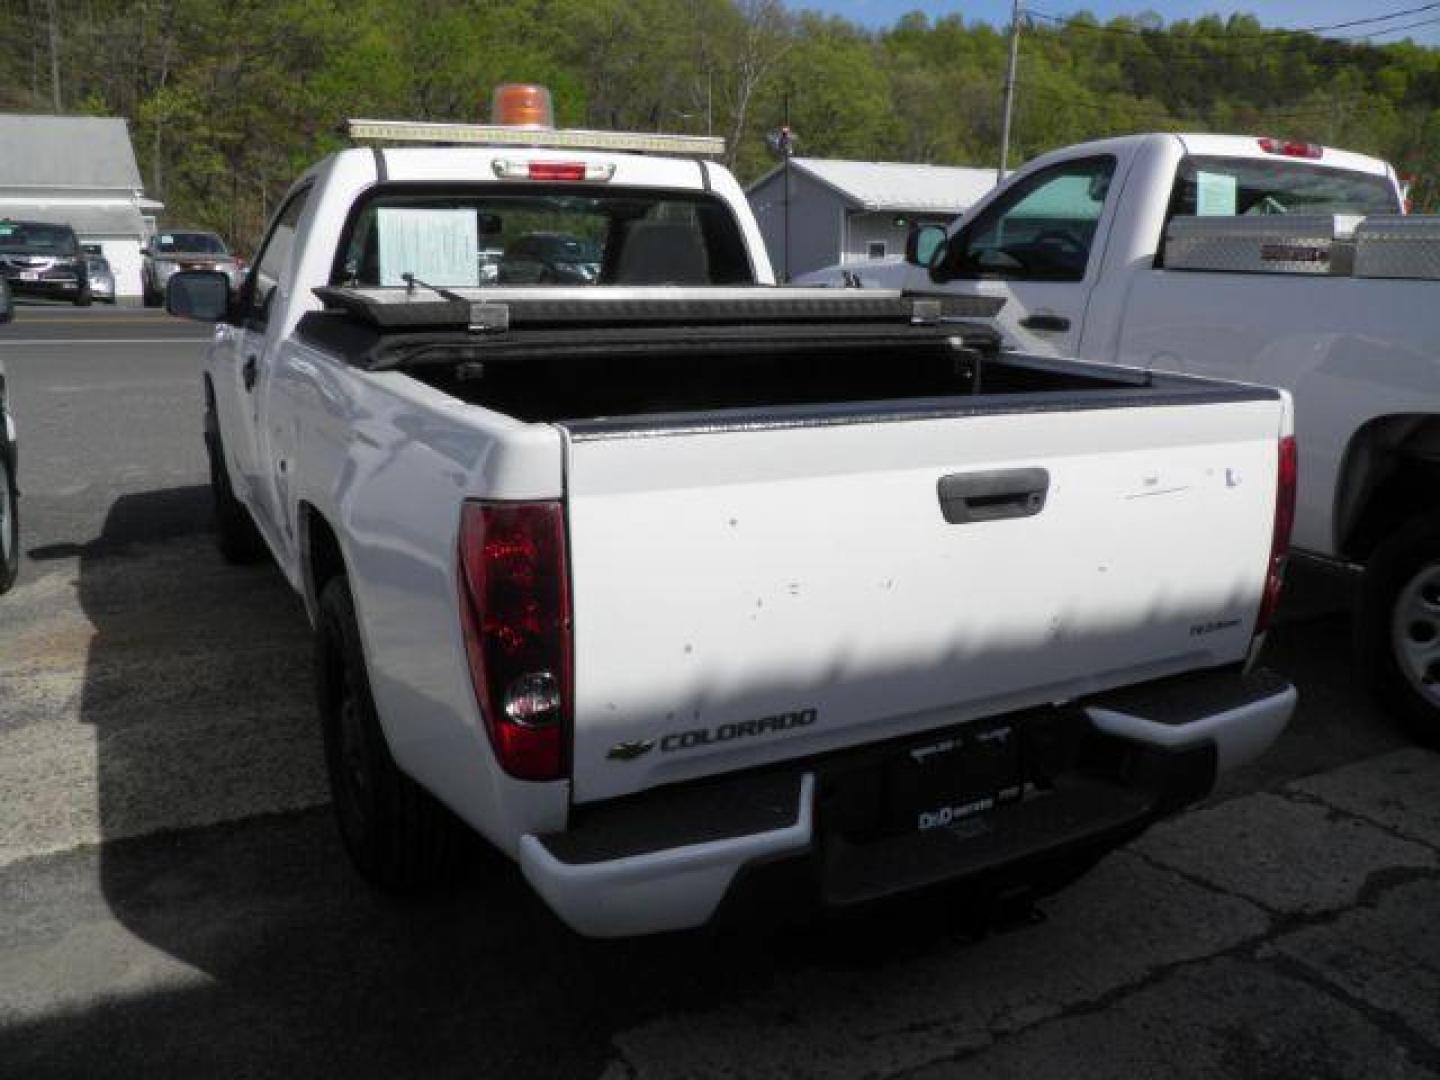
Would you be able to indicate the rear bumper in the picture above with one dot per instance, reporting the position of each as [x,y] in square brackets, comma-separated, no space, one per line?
[667,859]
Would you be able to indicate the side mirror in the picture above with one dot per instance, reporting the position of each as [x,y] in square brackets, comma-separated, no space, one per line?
[922,243]
[202,295]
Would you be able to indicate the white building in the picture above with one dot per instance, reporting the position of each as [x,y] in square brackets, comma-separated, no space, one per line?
[80,171]
[844,211]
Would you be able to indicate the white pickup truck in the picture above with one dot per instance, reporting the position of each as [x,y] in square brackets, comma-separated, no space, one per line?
[672,583]
[1208,254]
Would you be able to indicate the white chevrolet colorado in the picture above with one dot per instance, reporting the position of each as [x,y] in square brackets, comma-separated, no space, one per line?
[1263,261]
[666,580]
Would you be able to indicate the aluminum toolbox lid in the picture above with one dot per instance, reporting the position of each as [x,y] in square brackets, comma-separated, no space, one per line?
[1413,227]
[1398,246]
[1327,227]
[1262,244]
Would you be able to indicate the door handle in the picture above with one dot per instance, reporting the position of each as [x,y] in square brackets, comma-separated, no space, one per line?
[1051,323]
[968,498]
[249,372]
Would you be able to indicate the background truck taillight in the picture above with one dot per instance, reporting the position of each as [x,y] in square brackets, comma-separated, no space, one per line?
[515,610]
[1280,539]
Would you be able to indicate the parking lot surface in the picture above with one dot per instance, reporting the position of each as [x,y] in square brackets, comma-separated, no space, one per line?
[176,901]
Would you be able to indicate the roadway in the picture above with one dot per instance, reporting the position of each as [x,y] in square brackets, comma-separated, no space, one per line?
[176,901]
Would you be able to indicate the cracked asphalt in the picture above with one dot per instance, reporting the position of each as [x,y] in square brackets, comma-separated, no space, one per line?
[175,901]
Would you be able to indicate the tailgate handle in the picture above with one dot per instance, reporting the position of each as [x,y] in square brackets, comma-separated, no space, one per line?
[1054,324]
[966,498]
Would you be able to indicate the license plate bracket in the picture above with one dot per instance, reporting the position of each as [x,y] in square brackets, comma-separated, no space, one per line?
[966,774]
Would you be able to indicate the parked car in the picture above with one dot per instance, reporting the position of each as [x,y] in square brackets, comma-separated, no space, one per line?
[43,259]
[664,590]
[102,278]
[9,493]
[550,258]
[184,249]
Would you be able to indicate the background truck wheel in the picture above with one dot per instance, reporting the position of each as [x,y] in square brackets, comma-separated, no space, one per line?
[9,526]
[235,532]
[399,838]
[1397,627]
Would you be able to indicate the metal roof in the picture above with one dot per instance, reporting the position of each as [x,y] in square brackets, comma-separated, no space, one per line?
[87,219]
[66,152]
[894,185]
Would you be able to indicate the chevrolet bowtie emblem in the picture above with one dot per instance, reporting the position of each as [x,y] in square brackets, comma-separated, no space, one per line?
[629,751]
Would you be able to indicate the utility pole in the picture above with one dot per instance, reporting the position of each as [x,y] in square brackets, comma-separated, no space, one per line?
[786,144]
[1009,89]
[54,54]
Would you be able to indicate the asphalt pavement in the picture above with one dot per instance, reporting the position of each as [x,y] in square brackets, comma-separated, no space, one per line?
[176,902]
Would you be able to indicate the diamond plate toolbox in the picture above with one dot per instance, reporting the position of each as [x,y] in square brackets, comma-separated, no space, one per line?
[1268,244]
[1396,246]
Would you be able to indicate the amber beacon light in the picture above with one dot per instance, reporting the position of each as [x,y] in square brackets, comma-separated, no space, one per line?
[522,105]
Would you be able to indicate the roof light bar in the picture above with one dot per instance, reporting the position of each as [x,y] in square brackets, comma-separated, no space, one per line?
[520,169]
[433,132]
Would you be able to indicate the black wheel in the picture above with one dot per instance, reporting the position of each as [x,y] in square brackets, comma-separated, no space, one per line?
[84,297]
[399,838]
[9,525]
[235,531]
[1397,627]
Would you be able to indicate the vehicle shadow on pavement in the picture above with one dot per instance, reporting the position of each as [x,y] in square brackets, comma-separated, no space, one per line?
[259,949]
[231,934]
[261,953]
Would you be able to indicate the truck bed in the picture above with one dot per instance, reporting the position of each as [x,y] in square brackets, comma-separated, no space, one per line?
[741,351]
[794,534]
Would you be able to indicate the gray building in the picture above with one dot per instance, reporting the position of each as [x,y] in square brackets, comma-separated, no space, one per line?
[845,211]
[80,171]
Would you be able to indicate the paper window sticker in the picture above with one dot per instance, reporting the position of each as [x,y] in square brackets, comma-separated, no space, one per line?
[440,247]
[1214,194]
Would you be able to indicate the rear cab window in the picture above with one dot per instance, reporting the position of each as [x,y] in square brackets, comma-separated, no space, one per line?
[505,235]
[1247,187]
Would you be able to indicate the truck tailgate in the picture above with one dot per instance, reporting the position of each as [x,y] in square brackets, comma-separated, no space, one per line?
[751,593]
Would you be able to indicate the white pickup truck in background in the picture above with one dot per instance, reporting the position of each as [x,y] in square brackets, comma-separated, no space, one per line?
[1212,254]
[670,581]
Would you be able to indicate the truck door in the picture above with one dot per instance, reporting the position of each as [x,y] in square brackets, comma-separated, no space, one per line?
[1037,246]
[251,357]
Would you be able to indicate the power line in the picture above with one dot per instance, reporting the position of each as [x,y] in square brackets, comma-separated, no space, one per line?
[1214,50]
[1067,21]
[1123,100]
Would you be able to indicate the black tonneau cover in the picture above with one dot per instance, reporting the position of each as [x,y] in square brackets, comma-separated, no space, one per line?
[384,328]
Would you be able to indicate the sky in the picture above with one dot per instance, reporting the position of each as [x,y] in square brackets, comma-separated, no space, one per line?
[1277,13]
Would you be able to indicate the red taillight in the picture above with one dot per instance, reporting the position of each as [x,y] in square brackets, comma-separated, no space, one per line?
[522,169]
[1292,148]
[557,170]
[515,610]
[1280,538]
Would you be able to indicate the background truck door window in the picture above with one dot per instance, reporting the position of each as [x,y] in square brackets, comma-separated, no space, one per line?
[1041,230]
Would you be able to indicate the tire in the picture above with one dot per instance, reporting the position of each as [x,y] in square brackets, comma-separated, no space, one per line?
[1397,627]
[399,837]
[9,525]
[235,532]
